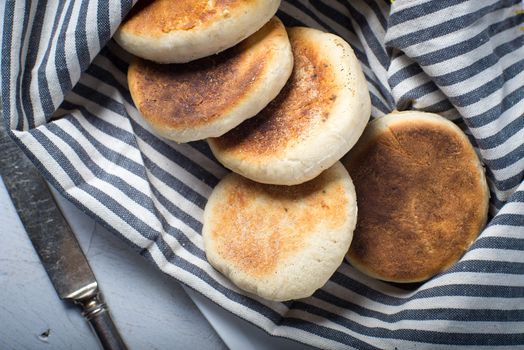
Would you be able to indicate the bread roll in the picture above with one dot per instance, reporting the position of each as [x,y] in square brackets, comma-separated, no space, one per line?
[180,31]
[312,123]
[210,96]
[280,242]
[423,197]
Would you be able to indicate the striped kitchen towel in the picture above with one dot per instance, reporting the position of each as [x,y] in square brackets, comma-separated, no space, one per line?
[65,98]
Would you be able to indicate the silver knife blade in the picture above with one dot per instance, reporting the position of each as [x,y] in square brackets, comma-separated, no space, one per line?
[53,240]
[47,228]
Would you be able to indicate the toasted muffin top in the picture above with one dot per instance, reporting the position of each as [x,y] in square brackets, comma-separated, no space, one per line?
[422,197]
[180,31]
[258,226]
[154,18]
[316,119]
[185,96]
[280,242]
[302,106]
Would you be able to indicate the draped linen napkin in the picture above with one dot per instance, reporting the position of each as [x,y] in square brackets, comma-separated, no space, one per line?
[65,98]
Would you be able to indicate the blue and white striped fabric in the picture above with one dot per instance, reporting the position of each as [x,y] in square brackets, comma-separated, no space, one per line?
[65,98]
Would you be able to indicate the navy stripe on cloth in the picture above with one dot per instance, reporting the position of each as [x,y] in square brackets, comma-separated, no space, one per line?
[448,26]
[422,336]
[61,57]
[420,10]
[43,84]
[452,314]
[7,43]
[81,42]
[108,202]
[30,60]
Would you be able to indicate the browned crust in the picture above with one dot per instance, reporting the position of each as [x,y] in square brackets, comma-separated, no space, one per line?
[422,201]
[154,18]
[302,105]
[255,227]
[180,96]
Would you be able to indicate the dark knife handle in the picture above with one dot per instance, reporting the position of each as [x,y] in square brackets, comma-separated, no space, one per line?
[96,312]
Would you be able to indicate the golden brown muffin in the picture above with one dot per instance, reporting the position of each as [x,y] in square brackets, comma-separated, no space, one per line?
[210,96]
[280,242]
[315,120]
[180,31]
[422,194]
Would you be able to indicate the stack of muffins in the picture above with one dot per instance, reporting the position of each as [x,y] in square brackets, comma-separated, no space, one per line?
[280,107]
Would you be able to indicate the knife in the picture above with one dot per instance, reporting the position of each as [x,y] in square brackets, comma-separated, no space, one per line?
[54,241]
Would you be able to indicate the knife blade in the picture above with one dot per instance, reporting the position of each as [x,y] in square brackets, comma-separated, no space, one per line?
[54,241]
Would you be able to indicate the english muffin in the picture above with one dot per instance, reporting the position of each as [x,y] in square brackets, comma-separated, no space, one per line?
[317,117]
[167,31]
[423,197]
[210,96]
[280,242]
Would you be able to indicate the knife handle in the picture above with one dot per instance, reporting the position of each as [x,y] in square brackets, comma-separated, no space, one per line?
[96,312]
